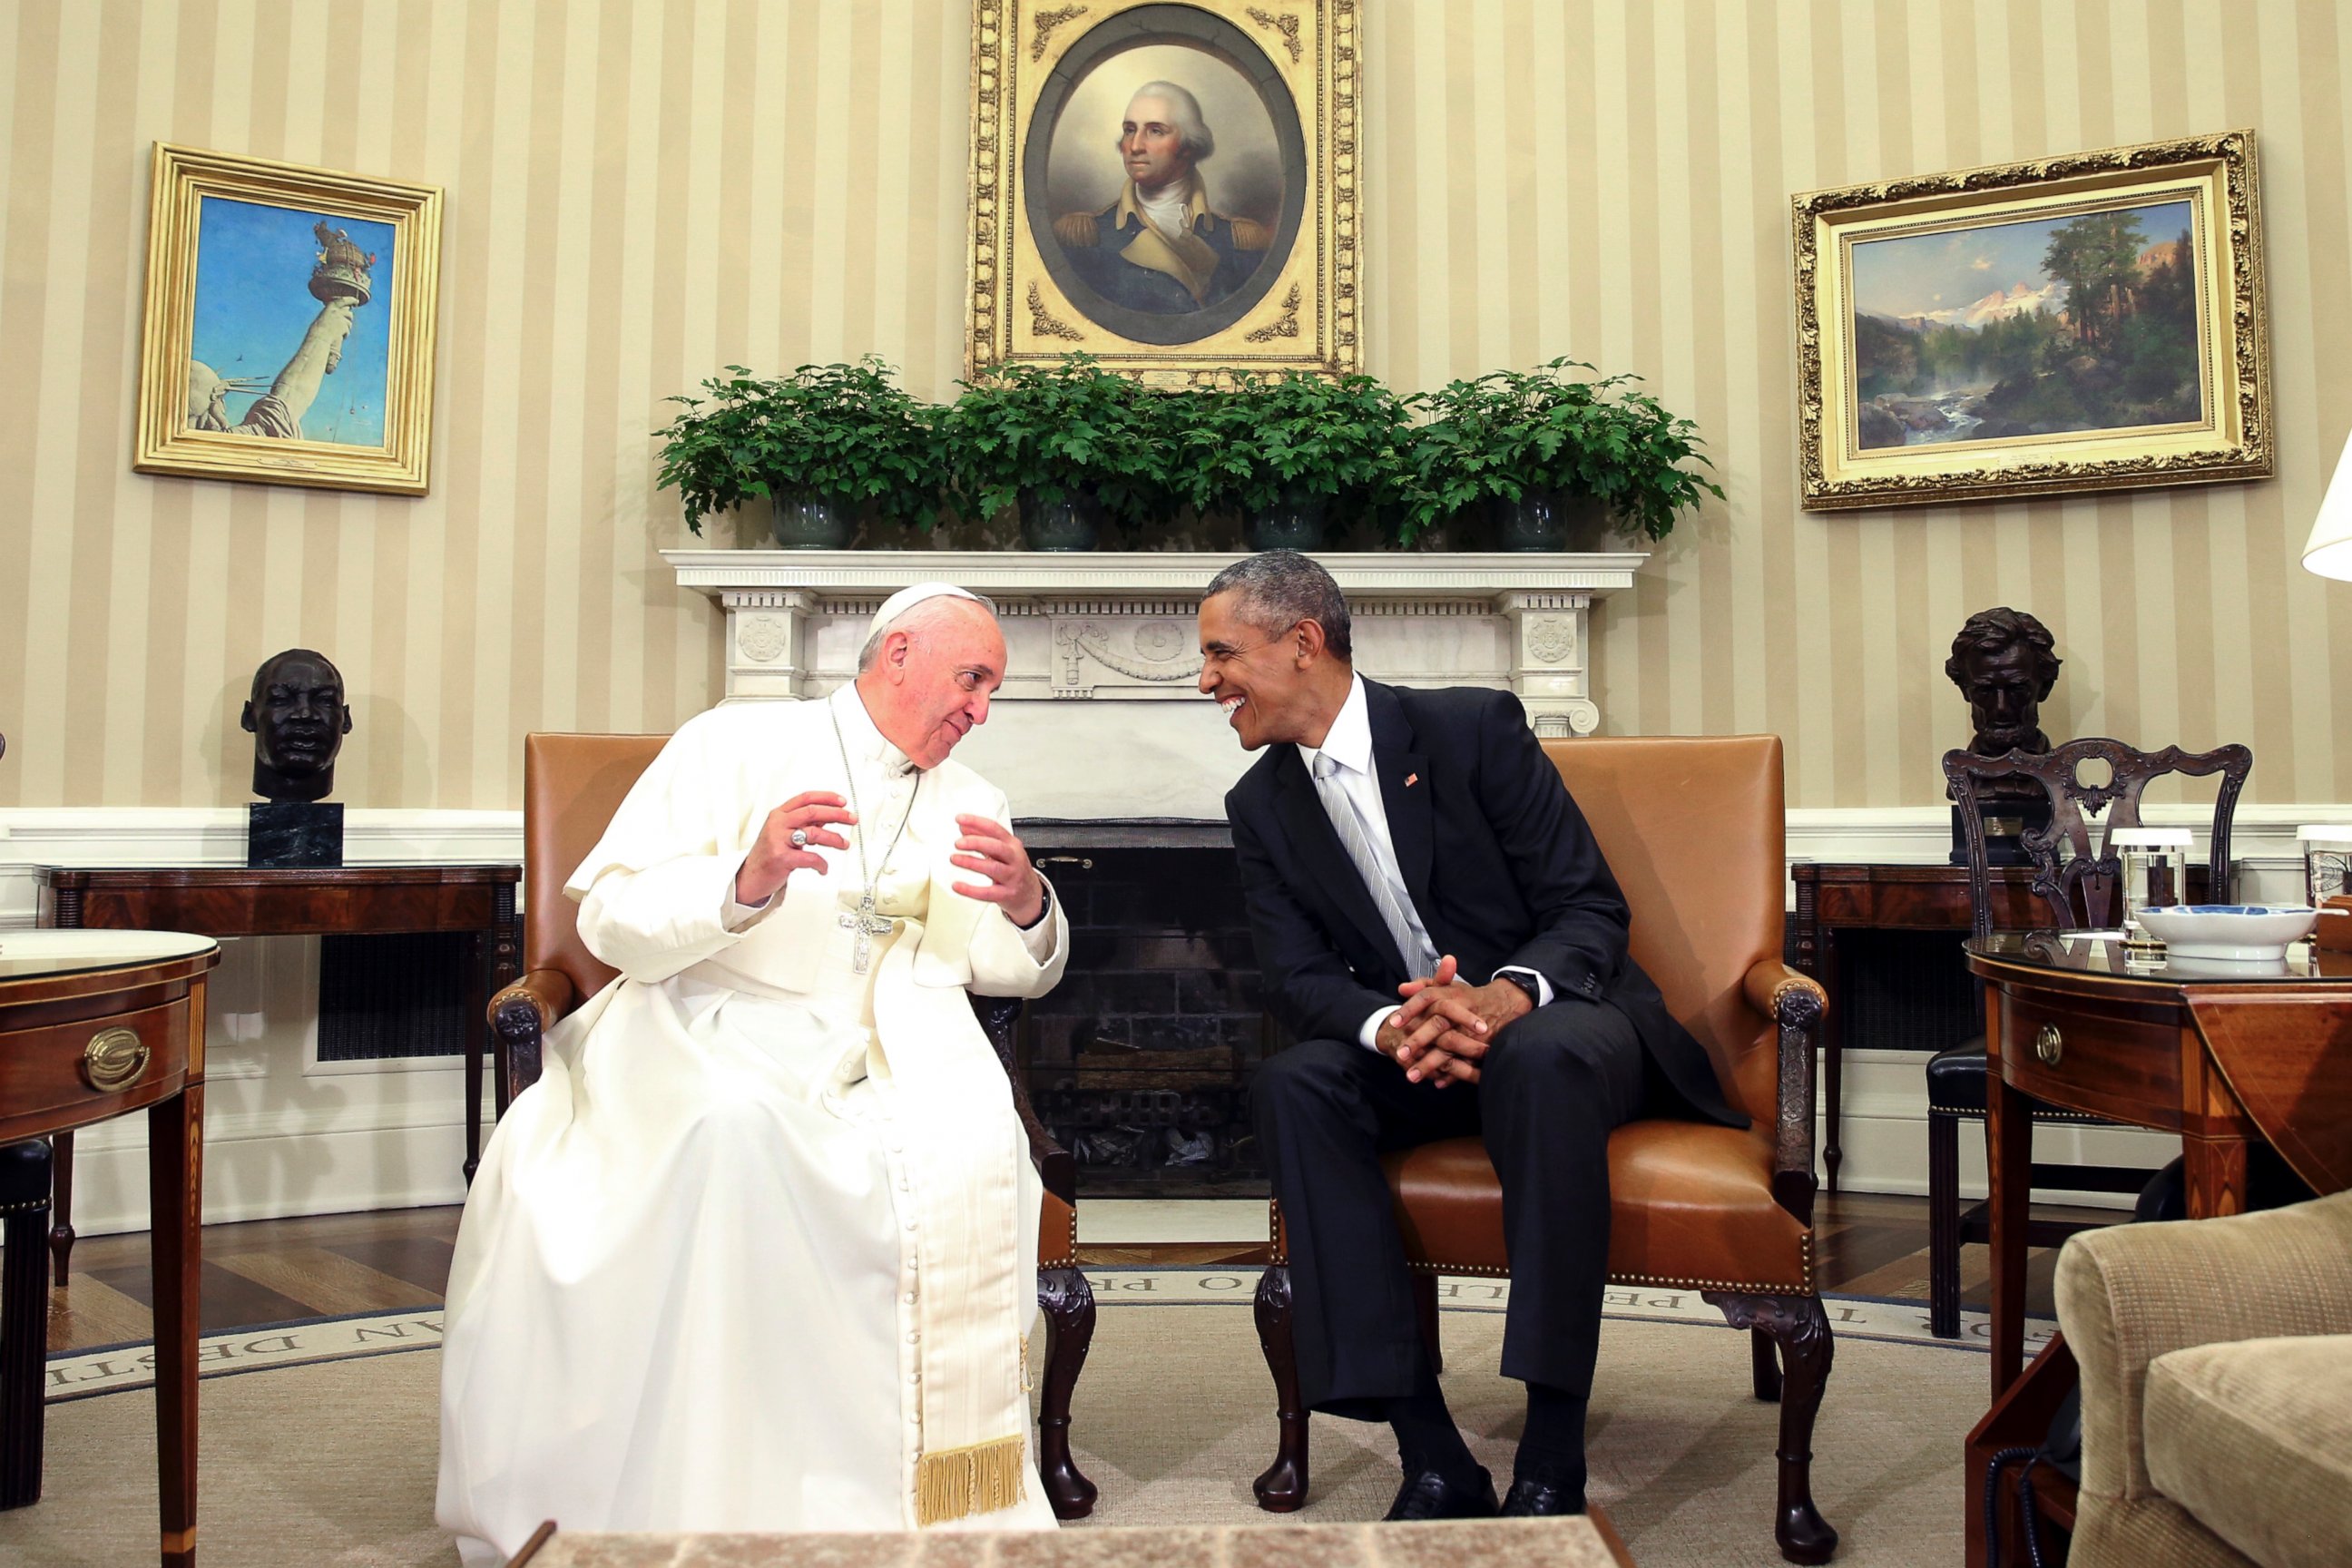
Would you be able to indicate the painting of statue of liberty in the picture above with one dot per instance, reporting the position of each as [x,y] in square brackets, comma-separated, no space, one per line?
[2052,326]
[288,331]
[288,341]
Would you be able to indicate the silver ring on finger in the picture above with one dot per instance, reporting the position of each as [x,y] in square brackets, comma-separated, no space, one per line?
[800,838]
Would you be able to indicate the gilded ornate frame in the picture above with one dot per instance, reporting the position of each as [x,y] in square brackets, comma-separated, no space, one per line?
[167,440]
[2215,173]
[1304,317]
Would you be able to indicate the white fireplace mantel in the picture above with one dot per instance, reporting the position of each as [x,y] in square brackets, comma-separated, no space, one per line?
[1107,638]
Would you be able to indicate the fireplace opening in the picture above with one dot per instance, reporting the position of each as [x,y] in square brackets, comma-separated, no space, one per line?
[1139,1061]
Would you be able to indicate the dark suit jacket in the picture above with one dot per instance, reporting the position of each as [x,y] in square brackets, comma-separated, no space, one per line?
[1500,864]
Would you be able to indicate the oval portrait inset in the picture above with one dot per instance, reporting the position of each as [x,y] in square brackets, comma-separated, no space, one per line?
[1166,174]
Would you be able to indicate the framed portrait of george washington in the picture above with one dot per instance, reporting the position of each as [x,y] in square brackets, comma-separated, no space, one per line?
[2085,322]
[1171,188]
[288,328]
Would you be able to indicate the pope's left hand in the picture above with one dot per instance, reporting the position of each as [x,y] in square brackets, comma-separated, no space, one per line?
[990,848]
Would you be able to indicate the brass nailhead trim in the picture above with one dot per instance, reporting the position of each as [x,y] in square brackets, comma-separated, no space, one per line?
[2041,1118]
[1746,1287]
[1069,1259]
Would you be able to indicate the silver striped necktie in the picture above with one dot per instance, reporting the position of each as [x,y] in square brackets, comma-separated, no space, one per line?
[1388,897]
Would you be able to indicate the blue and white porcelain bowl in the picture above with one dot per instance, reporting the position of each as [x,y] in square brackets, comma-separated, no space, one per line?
[2227,931]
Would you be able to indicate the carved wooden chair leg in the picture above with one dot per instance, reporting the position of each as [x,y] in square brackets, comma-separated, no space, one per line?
[1067,1302]
[61,1230]
[1803,1331]
[23,1317]
[1765,1365]
[1943,1223]
[1283,1487]
[1424,1311]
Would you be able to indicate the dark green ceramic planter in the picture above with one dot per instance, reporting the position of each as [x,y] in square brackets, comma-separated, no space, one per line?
[807,522]
[1074,522]
[1547,520]
[1294,522]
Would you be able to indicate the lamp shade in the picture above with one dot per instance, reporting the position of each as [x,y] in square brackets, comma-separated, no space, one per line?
[2329,552]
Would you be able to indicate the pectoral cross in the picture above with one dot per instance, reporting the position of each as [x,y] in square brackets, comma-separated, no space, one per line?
[867,925]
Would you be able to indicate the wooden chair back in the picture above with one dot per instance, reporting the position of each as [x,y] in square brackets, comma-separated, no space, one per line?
[2077,872]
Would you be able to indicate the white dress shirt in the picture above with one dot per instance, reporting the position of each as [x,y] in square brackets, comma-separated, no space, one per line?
[1353,785]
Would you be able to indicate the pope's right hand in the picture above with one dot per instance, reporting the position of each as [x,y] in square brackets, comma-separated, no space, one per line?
[774,857]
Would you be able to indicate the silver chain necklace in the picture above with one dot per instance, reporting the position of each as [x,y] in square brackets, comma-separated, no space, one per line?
[864,921]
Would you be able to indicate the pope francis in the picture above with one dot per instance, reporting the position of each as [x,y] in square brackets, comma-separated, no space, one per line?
[755,1253]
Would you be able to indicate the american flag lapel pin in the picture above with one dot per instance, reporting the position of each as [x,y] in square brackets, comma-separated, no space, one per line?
[1411,780]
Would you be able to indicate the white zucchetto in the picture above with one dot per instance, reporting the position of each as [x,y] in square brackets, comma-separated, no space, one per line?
[906,598]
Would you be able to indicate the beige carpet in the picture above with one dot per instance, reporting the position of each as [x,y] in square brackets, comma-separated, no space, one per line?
[332,1463]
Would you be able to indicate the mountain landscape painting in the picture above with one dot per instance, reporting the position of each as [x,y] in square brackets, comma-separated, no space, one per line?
[2045,327]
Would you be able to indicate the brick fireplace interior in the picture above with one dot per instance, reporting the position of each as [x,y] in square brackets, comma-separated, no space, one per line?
[1139,1061]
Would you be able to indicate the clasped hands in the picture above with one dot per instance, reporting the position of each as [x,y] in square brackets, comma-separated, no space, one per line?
[1442,1030]
[987,848]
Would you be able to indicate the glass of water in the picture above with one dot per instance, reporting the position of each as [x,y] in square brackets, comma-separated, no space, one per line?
[2156,872]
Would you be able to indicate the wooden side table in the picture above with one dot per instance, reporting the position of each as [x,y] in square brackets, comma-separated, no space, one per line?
[340,900]
[2226,1055]
[93,1026]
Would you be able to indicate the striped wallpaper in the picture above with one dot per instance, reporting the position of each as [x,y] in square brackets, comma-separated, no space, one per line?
[640,190]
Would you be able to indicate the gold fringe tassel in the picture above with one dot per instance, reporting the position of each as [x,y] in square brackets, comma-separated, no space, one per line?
[980,1479]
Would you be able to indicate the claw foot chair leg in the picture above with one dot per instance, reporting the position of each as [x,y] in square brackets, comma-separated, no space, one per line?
[1283,1487]
[1069,1304]
[1802,1329]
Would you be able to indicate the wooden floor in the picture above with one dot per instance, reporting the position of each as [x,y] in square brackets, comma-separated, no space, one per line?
[278,1272]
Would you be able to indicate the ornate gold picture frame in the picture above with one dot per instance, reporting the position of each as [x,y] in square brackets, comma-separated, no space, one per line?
[288,331]
[2078,323]
[1171,188]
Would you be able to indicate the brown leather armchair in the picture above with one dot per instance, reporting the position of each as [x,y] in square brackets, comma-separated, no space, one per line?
[571,786]
[1693,830]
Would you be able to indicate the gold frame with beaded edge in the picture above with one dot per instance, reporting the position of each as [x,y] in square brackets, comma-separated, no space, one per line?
[307,216]
[1038,65]
[2227,436]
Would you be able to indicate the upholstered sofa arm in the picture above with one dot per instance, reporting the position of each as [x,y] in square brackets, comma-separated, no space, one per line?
[1795,1003]
[2127,1294]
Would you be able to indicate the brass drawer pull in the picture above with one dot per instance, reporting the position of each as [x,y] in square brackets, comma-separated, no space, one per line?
[113,1059]
[2049,1045]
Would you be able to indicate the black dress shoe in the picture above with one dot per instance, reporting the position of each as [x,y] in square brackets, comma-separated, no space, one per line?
[1427,1494]
[1540,1500]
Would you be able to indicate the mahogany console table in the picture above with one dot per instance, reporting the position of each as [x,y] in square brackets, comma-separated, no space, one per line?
[93,1026]
[1880,896]
[338,901]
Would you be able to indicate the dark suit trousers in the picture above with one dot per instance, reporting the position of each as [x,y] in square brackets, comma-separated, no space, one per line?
[1552,1086]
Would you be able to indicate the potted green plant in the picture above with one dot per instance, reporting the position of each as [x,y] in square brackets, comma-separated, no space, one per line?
[820,444]
[1531,445]
[1069,443]
[1280,451]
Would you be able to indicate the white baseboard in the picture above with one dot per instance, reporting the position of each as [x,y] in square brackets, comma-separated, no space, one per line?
[289,1135]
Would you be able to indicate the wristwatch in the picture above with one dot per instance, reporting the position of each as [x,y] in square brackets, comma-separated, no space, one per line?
[1525,982]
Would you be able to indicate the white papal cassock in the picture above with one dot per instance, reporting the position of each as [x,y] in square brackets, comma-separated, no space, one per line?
[758,1250]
